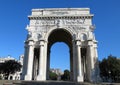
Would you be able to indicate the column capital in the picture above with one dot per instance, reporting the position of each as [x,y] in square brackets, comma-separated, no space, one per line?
[78,42]
[29,43]
[95,45]
[95,41]
[41,42]
[90,43]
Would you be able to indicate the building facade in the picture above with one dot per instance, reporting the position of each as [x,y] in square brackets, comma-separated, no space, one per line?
[56,71]
[70,25]
[3,59]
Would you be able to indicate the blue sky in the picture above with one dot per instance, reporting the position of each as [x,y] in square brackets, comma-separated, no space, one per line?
[13,21]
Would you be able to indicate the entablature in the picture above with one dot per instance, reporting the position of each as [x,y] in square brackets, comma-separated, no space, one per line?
[85,16]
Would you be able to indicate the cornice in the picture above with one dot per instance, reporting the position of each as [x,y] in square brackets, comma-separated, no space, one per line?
[61,9]
[87,16]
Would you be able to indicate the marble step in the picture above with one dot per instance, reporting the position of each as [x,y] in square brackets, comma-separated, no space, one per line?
[49,83]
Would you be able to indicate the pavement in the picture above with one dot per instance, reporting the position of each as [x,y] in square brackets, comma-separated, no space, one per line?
[18,82]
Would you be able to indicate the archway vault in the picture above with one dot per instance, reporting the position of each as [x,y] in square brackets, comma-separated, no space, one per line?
[60,35]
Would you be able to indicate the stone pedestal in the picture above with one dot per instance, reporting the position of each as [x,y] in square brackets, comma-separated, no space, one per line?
[80,79]
[28,77]
[40,78]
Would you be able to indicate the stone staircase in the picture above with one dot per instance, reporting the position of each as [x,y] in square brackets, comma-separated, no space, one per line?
[55,83]
[46,83]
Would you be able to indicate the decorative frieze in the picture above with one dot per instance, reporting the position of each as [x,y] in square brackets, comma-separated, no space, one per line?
[87,16]
[60,21]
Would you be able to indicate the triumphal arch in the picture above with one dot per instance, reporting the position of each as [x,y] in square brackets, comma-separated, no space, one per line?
[72,26]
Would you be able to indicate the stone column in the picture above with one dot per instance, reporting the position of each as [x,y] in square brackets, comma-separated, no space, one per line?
[96,53]
[90,53]
[79,64]
[96,67]
[35,68]
[29,59]
[48,64]
[24,69]
[71,65]
[85,68]
[74,62]
[45,59]
[41,76]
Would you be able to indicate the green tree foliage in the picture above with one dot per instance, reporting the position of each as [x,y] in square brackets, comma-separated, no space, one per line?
[66,75]
[110,68]
[1,77]
[10,67]
[1,68]
[52,76]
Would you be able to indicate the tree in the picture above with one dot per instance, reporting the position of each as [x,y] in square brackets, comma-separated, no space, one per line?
[110,68]
[66,75]
[10,67]
[1,68]
[52,76]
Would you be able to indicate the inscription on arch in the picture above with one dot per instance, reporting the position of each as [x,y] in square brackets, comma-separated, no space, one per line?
[63,21]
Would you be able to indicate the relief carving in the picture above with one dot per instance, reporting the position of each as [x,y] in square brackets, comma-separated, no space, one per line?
[59,13]
[29,35]
[60,21]
[77,29]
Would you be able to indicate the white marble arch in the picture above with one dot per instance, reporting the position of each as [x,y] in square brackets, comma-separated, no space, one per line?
[70,25]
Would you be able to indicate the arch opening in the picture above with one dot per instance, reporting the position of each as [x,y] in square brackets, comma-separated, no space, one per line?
[60,35]
[57,54]
[59,61]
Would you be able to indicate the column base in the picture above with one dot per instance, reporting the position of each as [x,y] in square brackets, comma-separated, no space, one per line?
[40,78]
[80,79]
[28,77]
